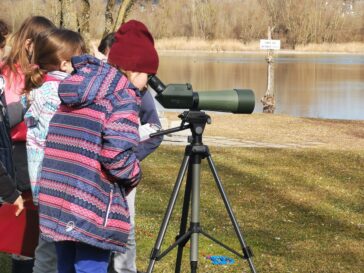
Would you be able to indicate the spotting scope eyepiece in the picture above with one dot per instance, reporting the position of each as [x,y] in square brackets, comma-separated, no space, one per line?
[181,96]
[156,84]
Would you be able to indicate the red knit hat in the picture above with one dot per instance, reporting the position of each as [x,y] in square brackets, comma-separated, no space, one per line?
[133,49]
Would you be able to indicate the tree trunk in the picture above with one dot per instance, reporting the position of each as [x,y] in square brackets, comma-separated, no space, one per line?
[84,20]
[57,11]
[109,20]
[123,12]
[268,100]
[194,21]
[69,17]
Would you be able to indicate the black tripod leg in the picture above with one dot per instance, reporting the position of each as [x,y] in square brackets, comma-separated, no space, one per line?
[245,248]
[184,219]
[167,215]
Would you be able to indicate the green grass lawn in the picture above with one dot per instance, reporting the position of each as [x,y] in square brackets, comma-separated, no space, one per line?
[300,210]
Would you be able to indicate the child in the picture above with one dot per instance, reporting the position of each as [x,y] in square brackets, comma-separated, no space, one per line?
[12,70]
[53,51]
[126,262]
[89,165]
[8,190]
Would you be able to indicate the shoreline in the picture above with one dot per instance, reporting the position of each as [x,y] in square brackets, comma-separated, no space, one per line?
[186,45]
[172,52]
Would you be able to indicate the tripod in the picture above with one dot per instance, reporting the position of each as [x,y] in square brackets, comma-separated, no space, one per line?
[194,153]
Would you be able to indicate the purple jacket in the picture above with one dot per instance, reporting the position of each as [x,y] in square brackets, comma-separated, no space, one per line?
[89,163]
[148,114]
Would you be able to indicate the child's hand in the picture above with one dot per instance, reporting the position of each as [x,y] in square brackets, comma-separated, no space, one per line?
[97,53]
[19,202]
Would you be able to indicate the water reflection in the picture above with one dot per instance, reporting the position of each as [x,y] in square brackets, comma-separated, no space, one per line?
[325,86]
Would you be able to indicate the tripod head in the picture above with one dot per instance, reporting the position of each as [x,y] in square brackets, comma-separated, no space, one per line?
[193,120]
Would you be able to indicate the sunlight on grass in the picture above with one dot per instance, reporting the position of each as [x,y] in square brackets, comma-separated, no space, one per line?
[300,210]
[291,205]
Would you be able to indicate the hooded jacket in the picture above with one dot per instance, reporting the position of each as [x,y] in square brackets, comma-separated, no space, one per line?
[8,190]
[89,164]
[44,102]
[16,104]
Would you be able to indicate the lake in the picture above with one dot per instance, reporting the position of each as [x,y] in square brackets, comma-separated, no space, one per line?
[306,85]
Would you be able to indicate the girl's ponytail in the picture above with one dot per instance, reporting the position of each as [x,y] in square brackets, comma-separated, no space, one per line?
[34,78]
[51,48]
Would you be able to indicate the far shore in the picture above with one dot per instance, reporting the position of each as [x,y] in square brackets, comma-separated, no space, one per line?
[193,46]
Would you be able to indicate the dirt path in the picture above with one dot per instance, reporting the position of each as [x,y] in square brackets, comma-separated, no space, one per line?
[276,131]
[176,139]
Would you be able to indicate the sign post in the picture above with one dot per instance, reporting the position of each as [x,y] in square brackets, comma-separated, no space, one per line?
[270,45]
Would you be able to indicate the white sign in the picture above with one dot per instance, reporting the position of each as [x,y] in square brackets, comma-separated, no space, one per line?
[270,44]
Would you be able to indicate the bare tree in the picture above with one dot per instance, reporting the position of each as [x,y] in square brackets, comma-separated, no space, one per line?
[57,12]
[295,22]
[109,20]
[205,18]
[84,20]
[68,15]
[125,7]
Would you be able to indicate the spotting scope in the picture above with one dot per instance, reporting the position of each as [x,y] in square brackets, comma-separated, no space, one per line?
[182,96]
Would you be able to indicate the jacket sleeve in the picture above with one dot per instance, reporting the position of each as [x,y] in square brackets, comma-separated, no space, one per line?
[148,114]
[8,191]
[44,103]
[15,110]
[120,137]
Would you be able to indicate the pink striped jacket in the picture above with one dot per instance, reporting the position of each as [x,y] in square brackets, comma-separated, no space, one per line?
[89,164]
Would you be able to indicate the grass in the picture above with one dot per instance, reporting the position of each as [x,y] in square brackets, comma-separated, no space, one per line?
[300,209]
[351,47]
[281,129]
[196,44]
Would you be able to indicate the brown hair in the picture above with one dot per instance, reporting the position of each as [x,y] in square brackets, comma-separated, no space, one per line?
[50,49]
[18,54]
[4,30]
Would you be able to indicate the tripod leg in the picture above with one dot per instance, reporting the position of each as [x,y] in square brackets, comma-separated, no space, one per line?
[195,211]
[184,218]
[245,248]
[167,216]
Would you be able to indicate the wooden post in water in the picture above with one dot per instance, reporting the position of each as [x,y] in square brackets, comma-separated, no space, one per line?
[268,100]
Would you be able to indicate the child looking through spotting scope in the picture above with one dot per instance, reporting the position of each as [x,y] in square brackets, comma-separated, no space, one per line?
[126,262]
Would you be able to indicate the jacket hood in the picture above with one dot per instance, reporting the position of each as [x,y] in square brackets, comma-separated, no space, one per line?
[91,80]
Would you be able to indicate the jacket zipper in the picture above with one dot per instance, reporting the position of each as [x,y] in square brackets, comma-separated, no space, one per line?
[108,206]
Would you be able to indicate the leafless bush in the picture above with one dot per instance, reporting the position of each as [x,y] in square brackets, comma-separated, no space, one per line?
[295,21]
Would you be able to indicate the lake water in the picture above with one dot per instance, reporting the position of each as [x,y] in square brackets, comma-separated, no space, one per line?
[319,86]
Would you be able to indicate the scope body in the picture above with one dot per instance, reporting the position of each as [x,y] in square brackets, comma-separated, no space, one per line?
[181,96]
